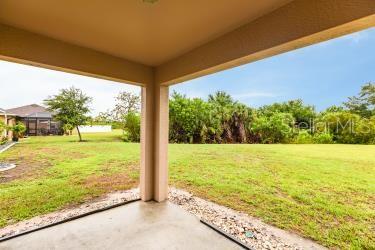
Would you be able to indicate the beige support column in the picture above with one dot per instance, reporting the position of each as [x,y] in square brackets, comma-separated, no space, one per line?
[154,143]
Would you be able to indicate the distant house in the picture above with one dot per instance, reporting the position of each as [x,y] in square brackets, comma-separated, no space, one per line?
[37,119]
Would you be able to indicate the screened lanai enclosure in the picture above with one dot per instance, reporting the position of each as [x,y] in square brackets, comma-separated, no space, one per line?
[37,119]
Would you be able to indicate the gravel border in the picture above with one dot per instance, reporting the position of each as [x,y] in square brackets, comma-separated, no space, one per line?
[247,229]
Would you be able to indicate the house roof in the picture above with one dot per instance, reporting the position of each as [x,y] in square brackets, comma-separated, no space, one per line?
[33,110]
[4,112]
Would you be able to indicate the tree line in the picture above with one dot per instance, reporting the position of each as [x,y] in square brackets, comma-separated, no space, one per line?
[221,119]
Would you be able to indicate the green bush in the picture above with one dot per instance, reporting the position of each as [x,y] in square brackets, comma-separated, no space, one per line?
[132,126]
[346,127]
[18,129]
[3,140]
[2,127]
[364,131]
[301,112]
[323,138]
[276,128]
[125,136]
[304,137]
[68,128]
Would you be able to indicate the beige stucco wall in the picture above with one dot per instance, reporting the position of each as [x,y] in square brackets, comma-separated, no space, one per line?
[11,122]
[25,47]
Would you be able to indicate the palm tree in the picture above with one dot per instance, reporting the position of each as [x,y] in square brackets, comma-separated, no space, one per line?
[223,105]
[238,122]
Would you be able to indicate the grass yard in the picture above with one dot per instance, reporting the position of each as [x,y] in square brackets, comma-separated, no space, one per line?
[325,192]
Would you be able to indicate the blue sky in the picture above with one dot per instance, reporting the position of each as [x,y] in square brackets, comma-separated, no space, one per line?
[322,75]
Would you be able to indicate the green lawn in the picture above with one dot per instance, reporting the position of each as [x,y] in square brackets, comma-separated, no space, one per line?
[325,192]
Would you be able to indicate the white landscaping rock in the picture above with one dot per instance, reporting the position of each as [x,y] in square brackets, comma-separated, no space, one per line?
[237,224]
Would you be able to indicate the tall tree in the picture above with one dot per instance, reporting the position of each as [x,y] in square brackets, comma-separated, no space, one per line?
[188,119]
[127,107]
[126,103]
[223,105]
[364,103]
[241,119]
[70,106]
[303,114]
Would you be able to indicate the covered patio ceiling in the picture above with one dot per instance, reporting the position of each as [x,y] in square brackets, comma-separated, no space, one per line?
[146,32]
[157,43]
[169,40]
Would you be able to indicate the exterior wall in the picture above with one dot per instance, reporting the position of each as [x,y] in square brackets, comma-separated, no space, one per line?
[11,122]
[154,143]
[95,129]
[25,47]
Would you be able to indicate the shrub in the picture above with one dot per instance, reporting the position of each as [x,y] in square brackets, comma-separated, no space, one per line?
[68,128]
[304,137]
[364,131]
[346,127]
[125,136]
[3,140]
[301,112]
[18,130]
[193,120]
[276,128]
[2,127]
[132,126]
[323,138]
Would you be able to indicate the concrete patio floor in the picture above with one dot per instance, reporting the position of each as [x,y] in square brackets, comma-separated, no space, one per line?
[138,225]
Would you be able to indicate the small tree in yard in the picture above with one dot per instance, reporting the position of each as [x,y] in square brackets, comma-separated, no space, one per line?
[126,114]
[18,130]
[70,106]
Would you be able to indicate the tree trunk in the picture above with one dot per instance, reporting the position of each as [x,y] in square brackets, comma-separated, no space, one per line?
[79,134]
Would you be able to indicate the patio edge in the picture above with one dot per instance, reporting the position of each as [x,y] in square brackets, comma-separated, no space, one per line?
[68,219]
